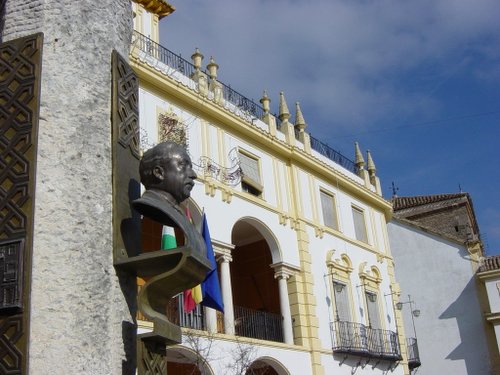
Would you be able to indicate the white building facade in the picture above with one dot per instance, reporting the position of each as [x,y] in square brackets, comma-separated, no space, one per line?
[301,240]
[437,273]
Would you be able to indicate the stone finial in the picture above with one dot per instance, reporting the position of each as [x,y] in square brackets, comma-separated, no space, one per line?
[300,123]
[212,68]
[197,58]
[371,165]
[265,102]
[360,161]
[284,113]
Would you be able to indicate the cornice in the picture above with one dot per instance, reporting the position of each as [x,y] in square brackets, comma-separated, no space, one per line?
[488,275]
[159,7]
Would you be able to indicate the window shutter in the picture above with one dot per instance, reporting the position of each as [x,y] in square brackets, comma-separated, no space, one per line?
[329,211]
[250,168]
[373,312]
[359,224]
[342,303]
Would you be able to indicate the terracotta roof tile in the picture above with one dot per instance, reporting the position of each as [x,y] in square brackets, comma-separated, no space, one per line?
[401,203]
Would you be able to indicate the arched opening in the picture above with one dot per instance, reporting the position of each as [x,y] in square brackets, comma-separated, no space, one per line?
[184,361]
[256,296]
[266,366]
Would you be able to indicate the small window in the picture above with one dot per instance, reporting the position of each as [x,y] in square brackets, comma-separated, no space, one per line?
[250,180]
[359,224]
[329,210]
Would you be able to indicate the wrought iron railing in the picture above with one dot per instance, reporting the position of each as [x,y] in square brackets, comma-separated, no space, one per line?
[333,155]
[413,355]
[246,105]
[176,314]
[383,343]
[186,68]
[357,339]
[349,337]
[162,54]
[258,324]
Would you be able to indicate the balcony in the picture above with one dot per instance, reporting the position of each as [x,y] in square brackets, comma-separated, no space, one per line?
[248,322]
[154,52]
[357,339]
[258,324]
[413,355]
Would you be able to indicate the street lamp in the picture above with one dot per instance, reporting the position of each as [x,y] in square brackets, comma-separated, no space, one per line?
[414,312]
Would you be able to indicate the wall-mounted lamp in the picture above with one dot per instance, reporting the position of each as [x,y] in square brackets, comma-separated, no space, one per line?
[372,297]
[414,312]
[338,287]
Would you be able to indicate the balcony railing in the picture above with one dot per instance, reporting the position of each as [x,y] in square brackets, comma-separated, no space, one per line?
[357,339]
[258,324]
[186,68]
[157,51]
[413,355]
[333,155]
[175,313]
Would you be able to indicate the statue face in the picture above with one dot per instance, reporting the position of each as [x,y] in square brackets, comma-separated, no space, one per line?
[176,174]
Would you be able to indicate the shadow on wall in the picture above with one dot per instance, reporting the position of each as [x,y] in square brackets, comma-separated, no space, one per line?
[356,362]
[472,349]
[2,18]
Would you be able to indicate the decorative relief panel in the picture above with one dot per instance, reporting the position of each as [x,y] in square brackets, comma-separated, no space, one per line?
[126,110]
[11,275]
[20,73]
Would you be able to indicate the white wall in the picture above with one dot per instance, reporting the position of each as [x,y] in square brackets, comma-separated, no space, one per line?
[277,197]
[438,275]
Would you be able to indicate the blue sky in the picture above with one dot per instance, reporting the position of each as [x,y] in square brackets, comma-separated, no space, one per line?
[415,82]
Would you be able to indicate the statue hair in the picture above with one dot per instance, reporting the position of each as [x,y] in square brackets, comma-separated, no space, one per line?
[153,157]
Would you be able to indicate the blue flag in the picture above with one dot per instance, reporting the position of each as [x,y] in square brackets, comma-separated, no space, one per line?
[210,288]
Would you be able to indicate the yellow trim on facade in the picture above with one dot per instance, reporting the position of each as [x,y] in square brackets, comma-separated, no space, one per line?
[155,30]
[313,200]
[158,7]
[487,275]
[277,183]
[197,104]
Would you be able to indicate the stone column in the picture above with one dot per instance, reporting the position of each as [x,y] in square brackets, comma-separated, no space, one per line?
[223,253]
[282,274]
[211,319]
[80,320]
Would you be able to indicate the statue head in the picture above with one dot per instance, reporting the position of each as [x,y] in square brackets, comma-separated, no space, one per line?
[168,167]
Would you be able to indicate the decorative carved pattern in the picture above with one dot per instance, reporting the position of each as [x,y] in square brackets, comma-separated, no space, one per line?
[126,156]
[20,73]
[11,358]
[11,275]
[229,176]
[171,129]
[126,110]
[152,361]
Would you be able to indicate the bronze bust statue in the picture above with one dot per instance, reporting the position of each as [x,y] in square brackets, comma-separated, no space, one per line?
[167,173]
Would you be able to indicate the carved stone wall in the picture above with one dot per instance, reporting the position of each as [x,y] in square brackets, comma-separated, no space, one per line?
[81,321]
[20,65]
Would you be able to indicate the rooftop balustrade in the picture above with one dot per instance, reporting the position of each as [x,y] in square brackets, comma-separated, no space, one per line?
[248,106]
